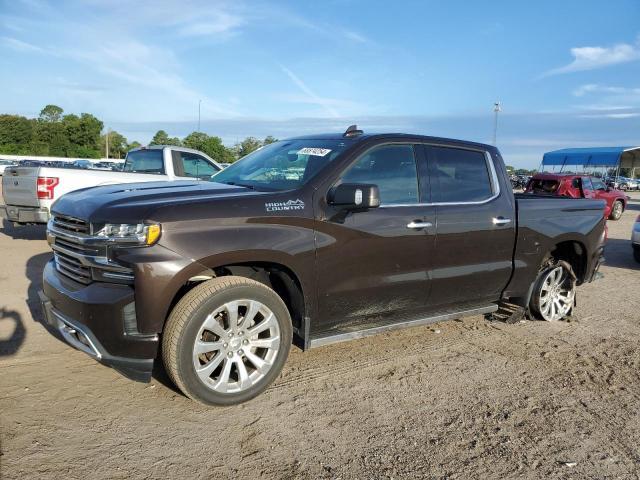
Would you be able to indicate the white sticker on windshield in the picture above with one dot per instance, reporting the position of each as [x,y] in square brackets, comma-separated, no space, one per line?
[318,152]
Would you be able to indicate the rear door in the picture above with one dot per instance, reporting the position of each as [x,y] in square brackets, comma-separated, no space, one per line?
[475,231]
[19,186]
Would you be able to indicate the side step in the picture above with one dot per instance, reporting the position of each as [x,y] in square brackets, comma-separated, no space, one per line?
[367,332]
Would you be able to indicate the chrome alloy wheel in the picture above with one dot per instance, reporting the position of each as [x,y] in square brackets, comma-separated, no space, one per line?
[617,210]
[557,295]
[236,346]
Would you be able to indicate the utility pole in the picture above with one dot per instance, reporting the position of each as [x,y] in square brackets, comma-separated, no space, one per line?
[199,102]
[497,108]
[107,143]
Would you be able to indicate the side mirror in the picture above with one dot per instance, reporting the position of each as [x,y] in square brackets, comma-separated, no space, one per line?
[352,196]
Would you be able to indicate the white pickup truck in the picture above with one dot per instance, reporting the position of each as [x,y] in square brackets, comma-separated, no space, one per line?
[29,192]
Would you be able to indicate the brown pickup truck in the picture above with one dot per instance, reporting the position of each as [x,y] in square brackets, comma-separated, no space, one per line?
[309,241]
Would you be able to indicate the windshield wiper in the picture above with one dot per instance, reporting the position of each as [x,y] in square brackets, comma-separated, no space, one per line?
[236,184]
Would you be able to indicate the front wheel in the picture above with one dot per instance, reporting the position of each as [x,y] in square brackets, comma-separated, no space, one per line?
[616,210]
[636,254]
[226,340]
[554,293]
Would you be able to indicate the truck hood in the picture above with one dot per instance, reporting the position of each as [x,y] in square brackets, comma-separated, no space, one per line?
[133,202]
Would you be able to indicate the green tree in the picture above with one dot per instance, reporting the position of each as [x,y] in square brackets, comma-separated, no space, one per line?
[134,144]
[118,145]
[51,113]
[51,138]
[269,139]
[212,146]
[83,135]
[246,146]
[16,134]
[162,138]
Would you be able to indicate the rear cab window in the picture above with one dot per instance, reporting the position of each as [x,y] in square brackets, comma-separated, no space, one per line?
[145,161]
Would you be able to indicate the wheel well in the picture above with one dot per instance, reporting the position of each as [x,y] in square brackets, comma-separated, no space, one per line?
[575,254]
[276,276]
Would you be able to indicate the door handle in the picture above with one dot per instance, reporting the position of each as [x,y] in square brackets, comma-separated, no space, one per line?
[501,220]
[417,225]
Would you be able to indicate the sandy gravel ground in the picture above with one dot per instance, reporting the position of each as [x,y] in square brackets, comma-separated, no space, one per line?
[463,399]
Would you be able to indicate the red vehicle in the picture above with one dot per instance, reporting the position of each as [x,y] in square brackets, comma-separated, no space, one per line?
[579,186]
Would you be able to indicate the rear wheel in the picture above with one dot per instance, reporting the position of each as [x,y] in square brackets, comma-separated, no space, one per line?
[554,293]
[616,210]
[226,340]
[636,254]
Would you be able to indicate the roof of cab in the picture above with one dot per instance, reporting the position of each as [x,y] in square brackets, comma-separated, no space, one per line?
[381,136]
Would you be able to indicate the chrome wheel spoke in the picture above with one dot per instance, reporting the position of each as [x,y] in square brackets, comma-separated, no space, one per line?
[212,324]
[206,347]
[252,310]
[261,365]
[232,314]
[271,342]
[222,383]
[205,371]
[268,322]
[243,374]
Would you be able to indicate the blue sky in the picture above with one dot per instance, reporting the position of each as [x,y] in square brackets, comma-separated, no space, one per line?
[567,72]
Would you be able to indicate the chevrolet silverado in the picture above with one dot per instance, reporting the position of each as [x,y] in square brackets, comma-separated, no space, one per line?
[306,241]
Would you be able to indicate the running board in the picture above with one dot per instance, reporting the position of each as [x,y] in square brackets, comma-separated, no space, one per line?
[367,332]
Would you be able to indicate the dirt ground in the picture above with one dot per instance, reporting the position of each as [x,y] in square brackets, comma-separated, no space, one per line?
[462,399]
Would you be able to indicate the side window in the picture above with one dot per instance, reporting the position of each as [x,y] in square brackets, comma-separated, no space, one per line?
[459,175]
[392,168]
[597,184]
[586,183]
[196,166]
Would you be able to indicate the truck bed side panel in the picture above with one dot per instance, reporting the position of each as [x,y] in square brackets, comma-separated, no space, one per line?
[543,223]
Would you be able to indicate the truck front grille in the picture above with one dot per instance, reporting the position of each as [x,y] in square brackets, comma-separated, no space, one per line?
[82,257]
[72,268]
[70,224]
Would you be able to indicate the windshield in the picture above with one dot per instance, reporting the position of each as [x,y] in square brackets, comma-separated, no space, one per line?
[283,165]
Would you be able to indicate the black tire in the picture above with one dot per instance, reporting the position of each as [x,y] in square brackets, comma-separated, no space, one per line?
[636,254]
[536,303]
[616,210]
[187,318]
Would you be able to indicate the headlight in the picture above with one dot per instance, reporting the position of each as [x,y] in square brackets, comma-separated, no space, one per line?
[126,233]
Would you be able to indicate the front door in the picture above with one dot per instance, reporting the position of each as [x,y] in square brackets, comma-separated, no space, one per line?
[373,266]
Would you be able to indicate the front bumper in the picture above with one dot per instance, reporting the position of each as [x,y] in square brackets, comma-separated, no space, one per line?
[96,319]
[19,214]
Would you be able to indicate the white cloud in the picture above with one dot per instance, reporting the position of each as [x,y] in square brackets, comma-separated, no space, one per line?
[20,46]
[611,115]
[311,97]
[591,58]
[355,36]
[595,88]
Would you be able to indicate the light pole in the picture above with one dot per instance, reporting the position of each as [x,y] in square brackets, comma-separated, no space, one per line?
[497,108]
[199,102]
[107,143]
